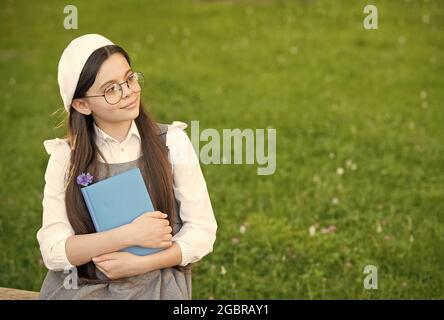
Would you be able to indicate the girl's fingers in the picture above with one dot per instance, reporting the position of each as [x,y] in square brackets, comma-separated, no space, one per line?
[104,257]
[99,259]
[166,244]
[103,271]
[168,237]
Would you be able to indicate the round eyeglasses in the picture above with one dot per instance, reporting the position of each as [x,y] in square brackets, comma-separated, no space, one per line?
[114,92]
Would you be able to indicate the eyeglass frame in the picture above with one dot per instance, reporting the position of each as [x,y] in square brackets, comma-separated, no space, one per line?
[121,89]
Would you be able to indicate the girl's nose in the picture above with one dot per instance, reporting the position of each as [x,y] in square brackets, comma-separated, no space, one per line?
[126,90]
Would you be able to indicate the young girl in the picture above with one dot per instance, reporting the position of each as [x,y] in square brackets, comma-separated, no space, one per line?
[109,132]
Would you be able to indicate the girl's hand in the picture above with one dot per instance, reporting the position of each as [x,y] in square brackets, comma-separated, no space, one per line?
[151,230]
[117,265]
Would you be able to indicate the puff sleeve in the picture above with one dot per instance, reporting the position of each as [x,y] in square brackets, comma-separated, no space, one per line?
[198,233]
[55,229]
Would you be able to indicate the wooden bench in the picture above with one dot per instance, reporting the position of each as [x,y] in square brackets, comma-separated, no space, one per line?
[15,294]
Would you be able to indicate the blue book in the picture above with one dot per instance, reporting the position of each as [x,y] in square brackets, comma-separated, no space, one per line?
[118,200]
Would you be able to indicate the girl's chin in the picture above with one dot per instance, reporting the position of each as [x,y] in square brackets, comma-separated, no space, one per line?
[133,114]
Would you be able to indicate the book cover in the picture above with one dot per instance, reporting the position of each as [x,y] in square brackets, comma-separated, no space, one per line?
[118,200]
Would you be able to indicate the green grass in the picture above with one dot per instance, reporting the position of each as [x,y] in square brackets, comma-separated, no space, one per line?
[341,93]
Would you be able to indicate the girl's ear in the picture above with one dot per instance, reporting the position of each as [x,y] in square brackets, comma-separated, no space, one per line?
[81,106]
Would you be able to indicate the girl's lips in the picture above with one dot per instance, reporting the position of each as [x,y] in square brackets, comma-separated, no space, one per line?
[130,106]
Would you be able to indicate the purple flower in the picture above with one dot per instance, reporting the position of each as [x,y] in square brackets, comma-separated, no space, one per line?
[84,179]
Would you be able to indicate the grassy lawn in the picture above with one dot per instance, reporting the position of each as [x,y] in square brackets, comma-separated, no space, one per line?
[339,96]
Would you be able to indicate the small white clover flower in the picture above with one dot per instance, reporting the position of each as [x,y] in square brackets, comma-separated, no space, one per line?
[312,231]
[379,228]
[340,171]
[223,270]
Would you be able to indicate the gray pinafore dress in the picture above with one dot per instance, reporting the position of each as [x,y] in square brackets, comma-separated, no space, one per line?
[163,284]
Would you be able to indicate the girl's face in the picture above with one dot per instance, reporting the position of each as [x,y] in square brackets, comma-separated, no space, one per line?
[115,70]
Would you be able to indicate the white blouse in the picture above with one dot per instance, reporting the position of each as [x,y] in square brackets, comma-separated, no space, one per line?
[198,232]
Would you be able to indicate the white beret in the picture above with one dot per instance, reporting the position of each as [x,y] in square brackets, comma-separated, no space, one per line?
[72,62]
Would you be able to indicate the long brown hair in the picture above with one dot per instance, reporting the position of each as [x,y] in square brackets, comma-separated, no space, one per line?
[154,163]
